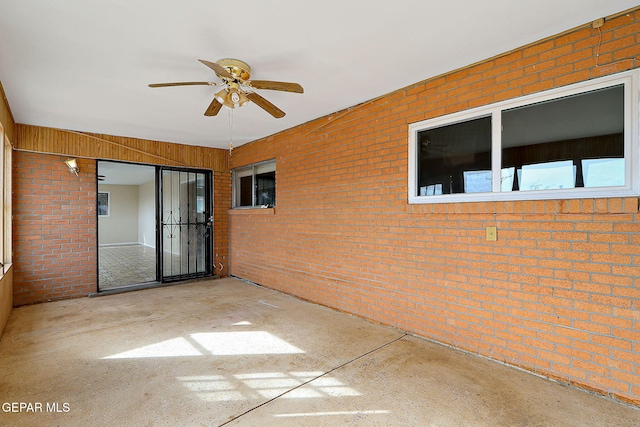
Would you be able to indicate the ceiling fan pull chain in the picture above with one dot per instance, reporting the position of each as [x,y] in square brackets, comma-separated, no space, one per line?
[230,130]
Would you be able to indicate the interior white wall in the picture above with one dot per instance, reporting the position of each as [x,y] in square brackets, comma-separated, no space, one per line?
[171,184]
[121,227]
[147,214]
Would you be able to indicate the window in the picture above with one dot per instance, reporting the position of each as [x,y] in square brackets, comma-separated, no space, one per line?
[5,200]
[455,158]
[566,143]
[103,204]
[255,185]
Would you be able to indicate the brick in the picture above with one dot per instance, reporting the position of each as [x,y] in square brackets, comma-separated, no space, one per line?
[570,372]
[539,48]
[556,294]
[608,383]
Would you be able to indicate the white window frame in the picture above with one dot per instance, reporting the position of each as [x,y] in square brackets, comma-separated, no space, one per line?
[249,170]
[630,79]
[3,200]
[7,210]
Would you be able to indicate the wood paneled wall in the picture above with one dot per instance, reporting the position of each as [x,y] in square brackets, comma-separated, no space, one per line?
[6,118]
[6,295]
[97,146]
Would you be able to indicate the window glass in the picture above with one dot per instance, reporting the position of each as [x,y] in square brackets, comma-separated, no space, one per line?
[104,204]
[243,186]
[4,191]
[455,158]
[244,191]
[507,175]
[7,217]
[571,142]
[266,189]
[603,172]
[547,176]
[265,184]
[255,185]
[555,144]
[200,193]
[477,181]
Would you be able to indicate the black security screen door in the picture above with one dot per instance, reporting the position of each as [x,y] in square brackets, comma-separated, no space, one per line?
[185,232]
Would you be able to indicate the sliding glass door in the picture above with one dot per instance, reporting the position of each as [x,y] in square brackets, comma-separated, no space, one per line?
[127,235]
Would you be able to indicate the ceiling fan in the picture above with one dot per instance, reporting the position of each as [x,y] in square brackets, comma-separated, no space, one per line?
[237,89]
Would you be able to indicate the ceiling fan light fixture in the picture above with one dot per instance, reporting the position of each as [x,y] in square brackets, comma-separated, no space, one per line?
[222,96]
[232,97]
[228,101]
[237,97]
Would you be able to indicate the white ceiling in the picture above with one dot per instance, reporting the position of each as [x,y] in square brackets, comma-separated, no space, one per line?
[85,65]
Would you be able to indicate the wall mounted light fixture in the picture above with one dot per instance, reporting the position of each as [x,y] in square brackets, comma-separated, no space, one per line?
[73,166]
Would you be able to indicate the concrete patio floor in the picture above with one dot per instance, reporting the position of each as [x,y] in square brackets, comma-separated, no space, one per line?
[225,352]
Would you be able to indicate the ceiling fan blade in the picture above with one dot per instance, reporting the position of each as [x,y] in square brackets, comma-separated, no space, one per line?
[213,108]
[182,84]
[265,105]
[283,86]
[219,69]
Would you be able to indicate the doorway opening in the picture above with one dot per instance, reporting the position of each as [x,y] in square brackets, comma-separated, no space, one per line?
[154,225]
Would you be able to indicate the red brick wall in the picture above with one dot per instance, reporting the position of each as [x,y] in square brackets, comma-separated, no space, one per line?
[557,294]
[54,229]
[221,205]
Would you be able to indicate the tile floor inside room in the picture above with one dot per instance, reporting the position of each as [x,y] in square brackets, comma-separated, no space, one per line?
[123,265]
[226,352]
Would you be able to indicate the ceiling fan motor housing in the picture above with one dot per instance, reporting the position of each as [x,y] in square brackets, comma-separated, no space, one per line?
[238,69]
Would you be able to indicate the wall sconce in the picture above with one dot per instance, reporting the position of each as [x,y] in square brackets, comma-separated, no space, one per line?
[73,166]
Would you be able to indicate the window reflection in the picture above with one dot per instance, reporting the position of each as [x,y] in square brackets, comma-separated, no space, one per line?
[455,158]
[477,181]
[547,176]
[603,172]
[507,177]
[255,185]
[575,141]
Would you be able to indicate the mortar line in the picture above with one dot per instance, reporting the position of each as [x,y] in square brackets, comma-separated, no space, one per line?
[313,379]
